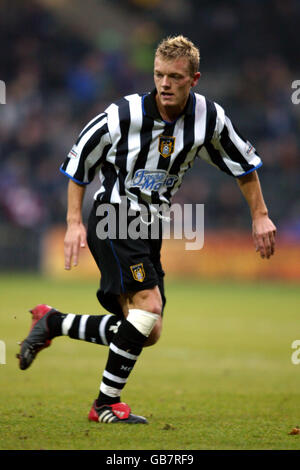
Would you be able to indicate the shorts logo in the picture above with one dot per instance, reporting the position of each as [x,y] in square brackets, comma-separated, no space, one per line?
[138,272]
[166,145]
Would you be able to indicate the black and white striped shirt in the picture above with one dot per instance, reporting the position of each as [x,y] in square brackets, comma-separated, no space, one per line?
[139,155]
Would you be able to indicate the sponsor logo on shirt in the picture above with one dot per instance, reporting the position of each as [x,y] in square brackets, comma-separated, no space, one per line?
[153,180]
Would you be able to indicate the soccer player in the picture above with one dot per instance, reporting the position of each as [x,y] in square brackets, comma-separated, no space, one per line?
[141,147]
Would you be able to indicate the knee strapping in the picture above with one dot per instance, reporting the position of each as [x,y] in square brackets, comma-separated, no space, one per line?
[142,320]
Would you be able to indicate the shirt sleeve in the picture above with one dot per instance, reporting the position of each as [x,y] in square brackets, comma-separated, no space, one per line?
[89,151]
[227,149]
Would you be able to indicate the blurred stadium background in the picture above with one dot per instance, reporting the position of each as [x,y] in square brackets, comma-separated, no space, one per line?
[64,61]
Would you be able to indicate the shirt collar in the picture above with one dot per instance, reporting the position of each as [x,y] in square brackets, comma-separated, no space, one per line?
[150,107]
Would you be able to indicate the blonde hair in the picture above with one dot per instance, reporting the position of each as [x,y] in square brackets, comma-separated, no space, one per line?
[174,47]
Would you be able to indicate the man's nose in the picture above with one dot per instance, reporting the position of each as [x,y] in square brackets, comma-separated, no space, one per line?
[165,81]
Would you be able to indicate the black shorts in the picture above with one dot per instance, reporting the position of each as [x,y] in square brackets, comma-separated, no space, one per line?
[126,265]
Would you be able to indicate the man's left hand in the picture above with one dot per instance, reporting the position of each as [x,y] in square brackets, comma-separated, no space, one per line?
[263,232]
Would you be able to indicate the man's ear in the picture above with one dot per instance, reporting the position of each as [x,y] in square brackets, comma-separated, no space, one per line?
[196,77]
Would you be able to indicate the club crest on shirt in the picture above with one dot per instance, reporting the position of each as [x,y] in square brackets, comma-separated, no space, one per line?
[138,272]
[166,145]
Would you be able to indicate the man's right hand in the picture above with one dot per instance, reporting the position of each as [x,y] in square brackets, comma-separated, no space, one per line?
[75,239]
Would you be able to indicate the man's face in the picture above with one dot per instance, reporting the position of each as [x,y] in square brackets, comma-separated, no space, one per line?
[173,81]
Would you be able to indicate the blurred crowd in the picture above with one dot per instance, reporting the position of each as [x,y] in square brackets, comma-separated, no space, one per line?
[57,81]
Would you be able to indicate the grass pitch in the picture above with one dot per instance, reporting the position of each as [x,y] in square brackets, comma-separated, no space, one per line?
[221,376]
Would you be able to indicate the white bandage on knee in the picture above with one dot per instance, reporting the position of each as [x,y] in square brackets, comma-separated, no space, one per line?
[143,321]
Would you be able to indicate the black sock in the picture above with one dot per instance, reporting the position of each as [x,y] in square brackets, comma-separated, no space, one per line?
[124,350]
[99,329]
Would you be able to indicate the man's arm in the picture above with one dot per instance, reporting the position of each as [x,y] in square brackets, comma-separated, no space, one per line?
[75,237]
[263,229]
